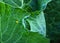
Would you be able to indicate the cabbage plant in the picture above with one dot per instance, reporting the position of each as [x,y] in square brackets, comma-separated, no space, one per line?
[22,21]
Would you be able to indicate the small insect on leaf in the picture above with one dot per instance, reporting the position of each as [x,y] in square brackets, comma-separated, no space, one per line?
[17,21]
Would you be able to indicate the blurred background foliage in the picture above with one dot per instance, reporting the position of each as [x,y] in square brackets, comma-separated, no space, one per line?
[52,14]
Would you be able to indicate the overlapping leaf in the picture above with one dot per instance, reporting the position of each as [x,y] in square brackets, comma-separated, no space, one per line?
[11,28]
[41,4]
[37,20]
[15,3]
[38,4]
[37,23]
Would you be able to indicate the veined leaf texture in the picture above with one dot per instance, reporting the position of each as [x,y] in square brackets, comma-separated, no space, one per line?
[13,28]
